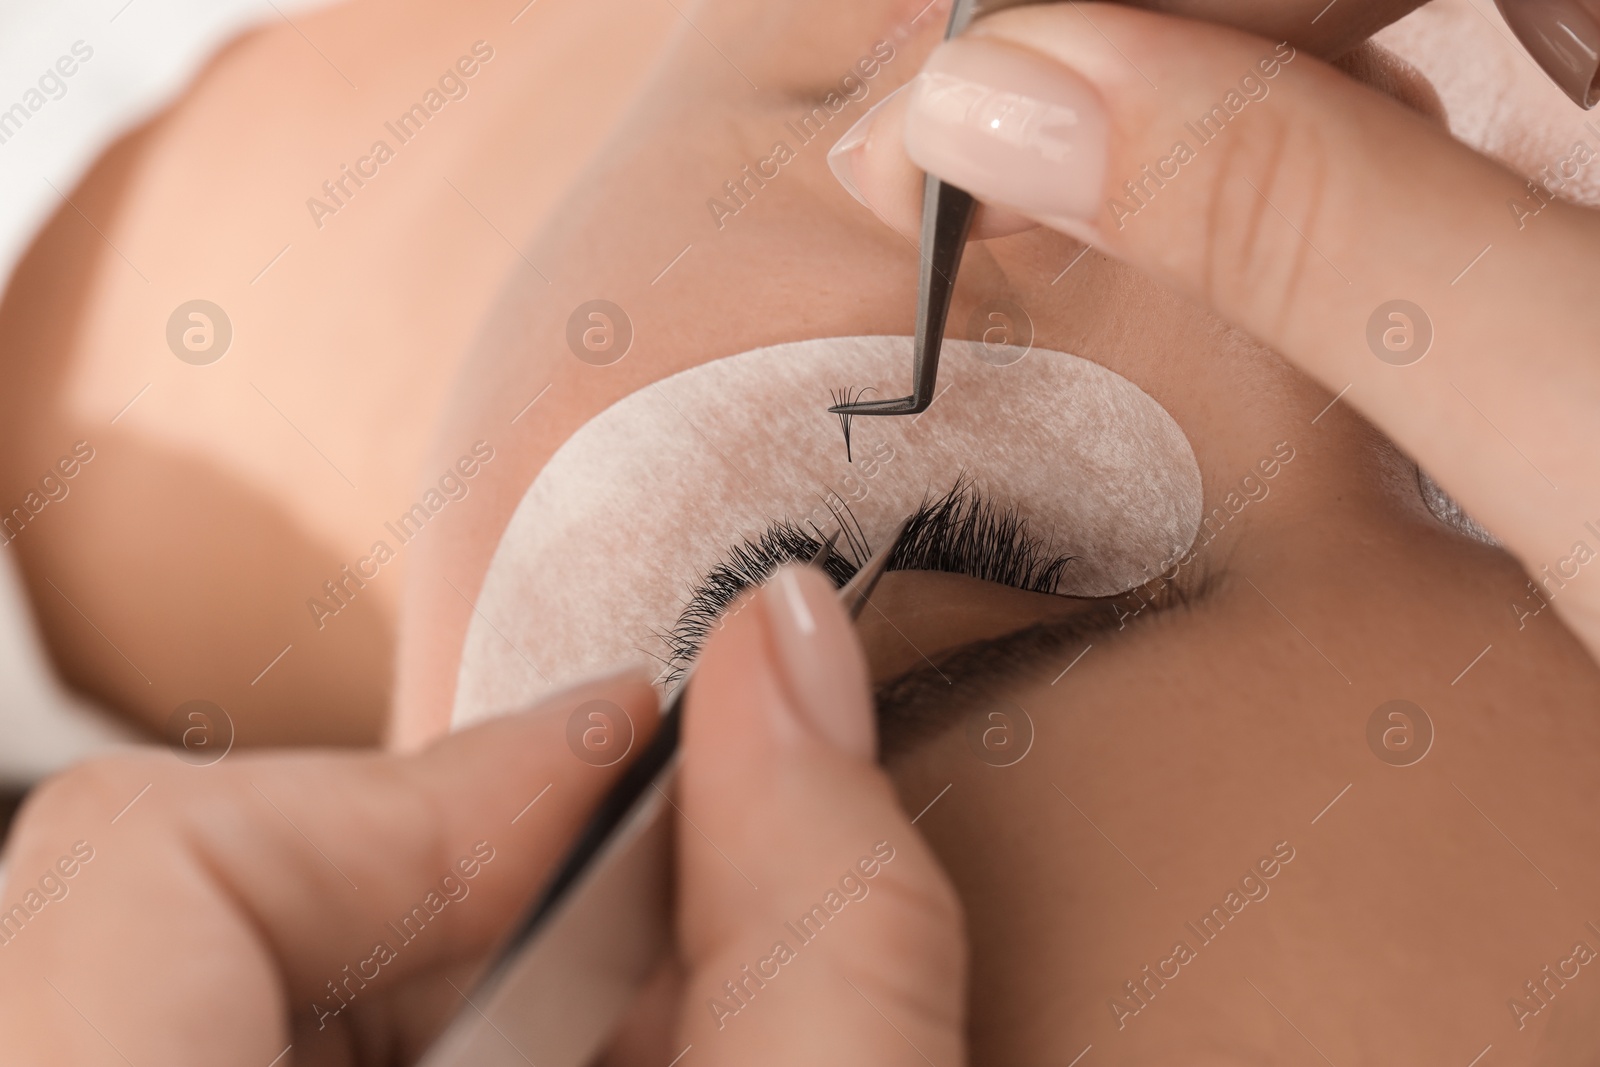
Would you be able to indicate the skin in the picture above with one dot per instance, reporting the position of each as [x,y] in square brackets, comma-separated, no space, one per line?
[1202,736]
[234,869]
[1375,950]
[1211,244]
[1219,728]
[708,105]
[227,519]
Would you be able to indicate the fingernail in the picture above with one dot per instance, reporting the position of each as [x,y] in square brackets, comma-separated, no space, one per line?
[844,158]
[820,661]
[1564,37]
[1011,127]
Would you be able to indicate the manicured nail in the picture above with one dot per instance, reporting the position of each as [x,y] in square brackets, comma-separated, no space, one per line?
[844,158]
[1564,36]
[1011,127]
[820,660]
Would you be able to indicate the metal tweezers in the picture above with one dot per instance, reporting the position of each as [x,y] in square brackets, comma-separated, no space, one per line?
[946,221]
[603,923]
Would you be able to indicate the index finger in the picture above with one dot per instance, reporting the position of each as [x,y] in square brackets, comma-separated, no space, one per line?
[1343,230]
[312,882]
[1326,28]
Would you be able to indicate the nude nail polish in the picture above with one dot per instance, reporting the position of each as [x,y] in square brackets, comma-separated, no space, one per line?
[819,660]
[1564,37]
[1011,127]
[843,156]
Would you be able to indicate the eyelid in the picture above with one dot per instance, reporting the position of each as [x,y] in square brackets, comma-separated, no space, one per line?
[1192,582]
[927,700]
[961,531]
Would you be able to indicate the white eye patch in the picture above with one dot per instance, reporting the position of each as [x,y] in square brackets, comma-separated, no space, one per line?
[600,555]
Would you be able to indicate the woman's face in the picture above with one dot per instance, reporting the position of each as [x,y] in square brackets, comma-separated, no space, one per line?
[1184,820]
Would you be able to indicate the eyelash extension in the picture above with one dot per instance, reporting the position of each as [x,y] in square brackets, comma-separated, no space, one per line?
[961,532]
[842,397]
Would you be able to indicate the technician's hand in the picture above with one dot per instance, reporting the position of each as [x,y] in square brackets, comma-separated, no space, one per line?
[802,882]
[1308,205]
[220,907]
[1562,35]
[214,916]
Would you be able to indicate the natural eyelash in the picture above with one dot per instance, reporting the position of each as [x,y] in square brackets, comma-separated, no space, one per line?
[745,566]
[961,532]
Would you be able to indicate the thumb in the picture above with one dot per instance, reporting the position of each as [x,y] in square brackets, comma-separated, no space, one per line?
[807,896]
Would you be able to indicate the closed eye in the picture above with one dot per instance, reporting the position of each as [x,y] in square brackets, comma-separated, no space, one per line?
[960,532]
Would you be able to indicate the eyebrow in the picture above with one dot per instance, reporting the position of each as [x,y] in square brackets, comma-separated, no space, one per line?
[928,700]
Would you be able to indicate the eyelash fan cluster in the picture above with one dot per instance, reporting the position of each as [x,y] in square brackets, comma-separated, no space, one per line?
[961,532]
